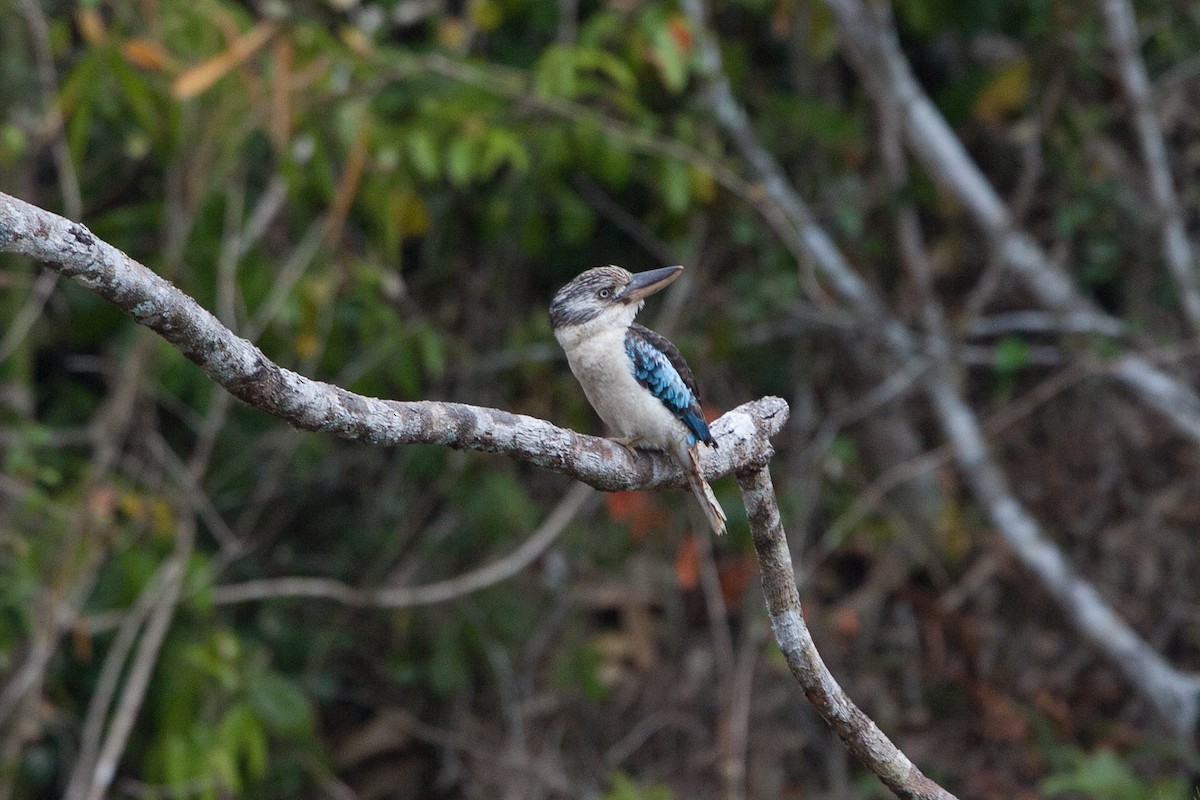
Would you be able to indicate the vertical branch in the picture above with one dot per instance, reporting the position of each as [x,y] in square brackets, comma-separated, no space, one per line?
[134,691]
[1177,250]
[860,734]
[68,179]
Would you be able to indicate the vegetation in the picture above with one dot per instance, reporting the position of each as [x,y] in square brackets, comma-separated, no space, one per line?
[384,196]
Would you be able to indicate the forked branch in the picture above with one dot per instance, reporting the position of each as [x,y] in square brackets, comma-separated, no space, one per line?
[744,435]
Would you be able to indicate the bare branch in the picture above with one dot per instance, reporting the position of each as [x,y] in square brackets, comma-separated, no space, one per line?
[861,735]
[1177,250]
[407,596]
[873,48]
[1175,694]
[800,231]
[43,51]
[72,250]
[144,660]
[107,684]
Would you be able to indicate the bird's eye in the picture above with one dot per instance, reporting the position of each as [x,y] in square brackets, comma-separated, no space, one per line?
[604,294]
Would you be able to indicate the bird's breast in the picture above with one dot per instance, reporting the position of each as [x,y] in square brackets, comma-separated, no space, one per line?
[603,369]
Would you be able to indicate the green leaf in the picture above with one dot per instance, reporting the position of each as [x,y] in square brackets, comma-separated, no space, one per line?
[242,734]
[623,788]
[433,351]
[279,703]
[554,73]
[576,218]
[579,667]
[177,764]
[448,663]
[138,97]
[502,147]
[676,186]
[605,63]
[1012,355]
[571,72]
[423,154]
[615,164]
[671,60]
[462,160]
[222,765]
[1101,775]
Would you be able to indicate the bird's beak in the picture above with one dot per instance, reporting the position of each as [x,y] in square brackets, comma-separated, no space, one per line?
[644,284]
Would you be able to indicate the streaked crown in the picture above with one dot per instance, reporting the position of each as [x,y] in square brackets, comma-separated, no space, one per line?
[588,295]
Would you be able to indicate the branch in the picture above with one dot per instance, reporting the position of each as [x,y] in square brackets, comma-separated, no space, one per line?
[873,49]
[1175,694]
[143,663]
[236,364]
[407,596]
[861,735]
[239,366]
[1177,250]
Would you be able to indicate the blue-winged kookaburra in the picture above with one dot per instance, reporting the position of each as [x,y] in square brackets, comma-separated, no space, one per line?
[636,379]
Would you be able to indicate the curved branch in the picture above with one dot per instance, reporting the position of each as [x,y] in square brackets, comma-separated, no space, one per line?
[72,250]
[407,596]
[869,744]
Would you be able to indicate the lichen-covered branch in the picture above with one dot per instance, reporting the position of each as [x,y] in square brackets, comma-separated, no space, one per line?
[235,363]
[869,744]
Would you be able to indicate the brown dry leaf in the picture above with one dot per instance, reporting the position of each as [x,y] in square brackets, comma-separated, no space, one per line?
[81,642]
[687,564]
[639,510]
[735,577]
[847,622]
[681,32]
[451,33]
[145,54]
[91,25]
[197,79]
[347,189]
[1002,720]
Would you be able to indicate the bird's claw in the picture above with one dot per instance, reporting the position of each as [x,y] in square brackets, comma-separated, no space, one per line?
[627,442]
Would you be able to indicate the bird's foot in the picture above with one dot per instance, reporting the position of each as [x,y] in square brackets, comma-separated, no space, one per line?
[628,442]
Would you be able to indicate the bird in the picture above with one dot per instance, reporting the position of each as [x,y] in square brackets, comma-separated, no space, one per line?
[635,379]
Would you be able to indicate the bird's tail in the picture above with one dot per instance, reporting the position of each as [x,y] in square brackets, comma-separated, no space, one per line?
[704,493]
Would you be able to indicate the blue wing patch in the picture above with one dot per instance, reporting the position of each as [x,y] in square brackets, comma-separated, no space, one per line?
[659,367]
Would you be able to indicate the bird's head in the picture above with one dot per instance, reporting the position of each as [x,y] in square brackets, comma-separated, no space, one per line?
[607,295]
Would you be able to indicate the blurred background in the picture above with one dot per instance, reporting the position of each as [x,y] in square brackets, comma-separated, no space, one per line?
[385,196]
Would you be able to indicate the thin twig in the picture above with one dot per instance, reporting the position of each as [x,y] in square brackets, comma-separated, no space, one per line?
[107,683]
[143,662]
[110,426]
[407,596]
[68,179]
